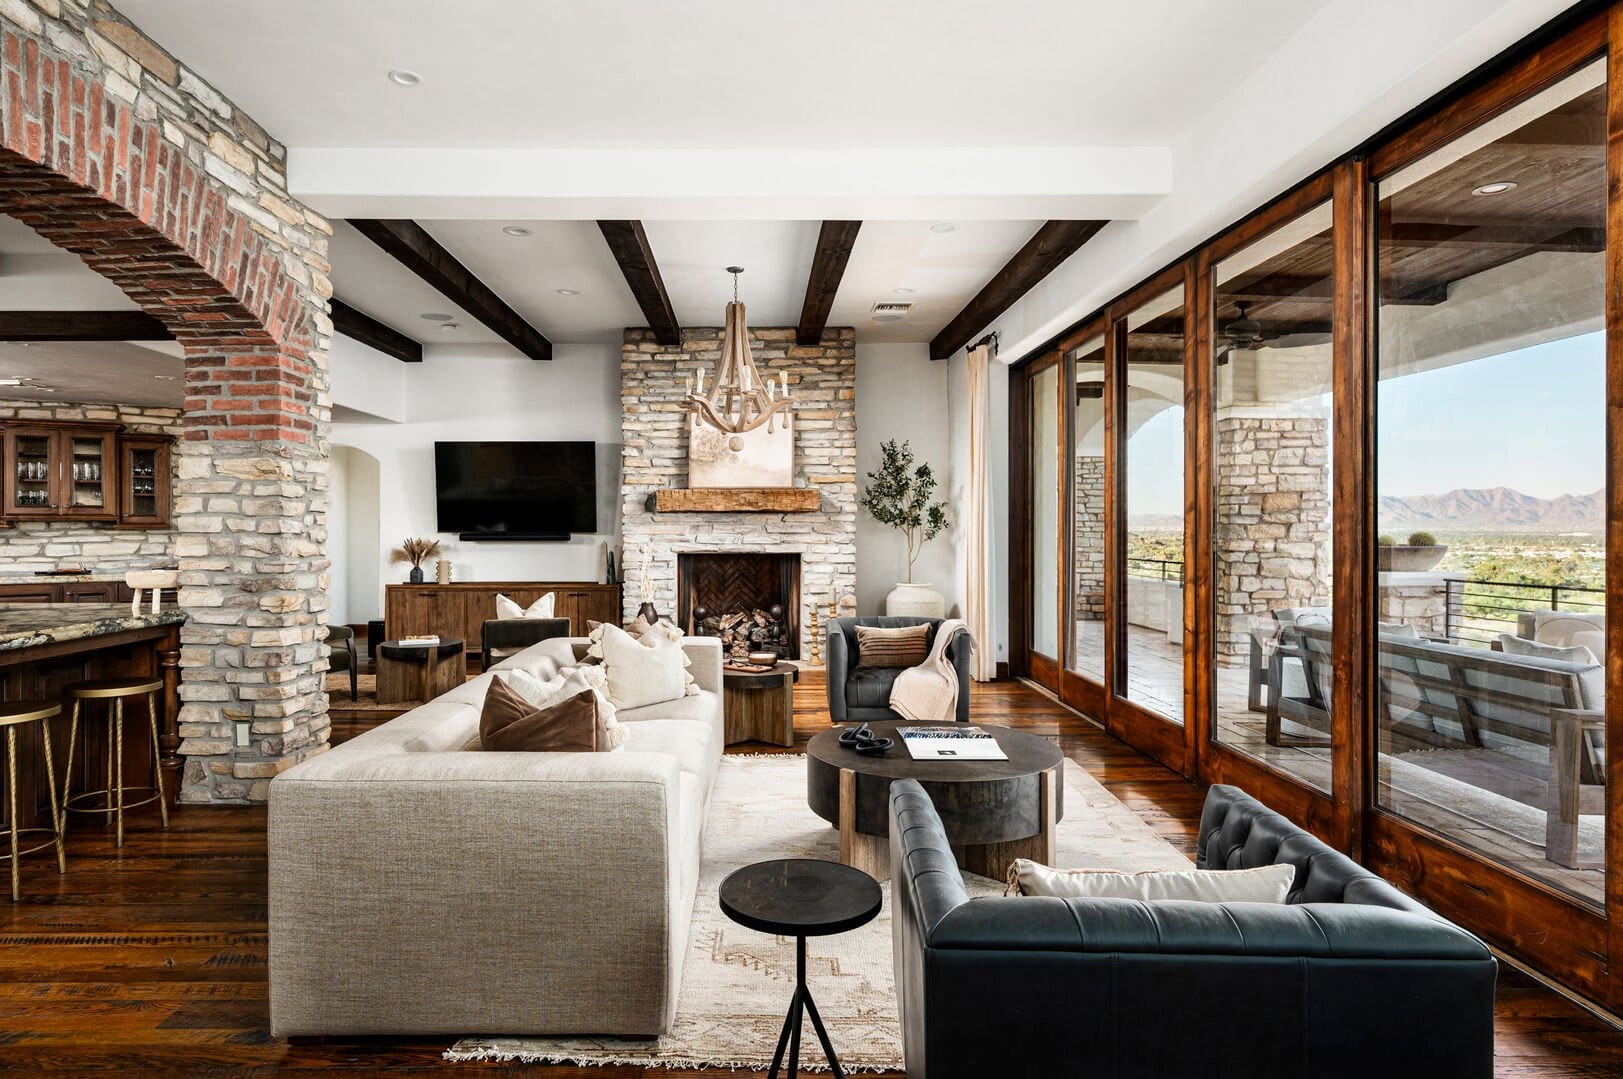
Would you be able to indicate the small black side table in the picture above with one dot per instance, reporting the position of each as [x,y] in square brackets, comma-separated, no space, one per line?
[800,897]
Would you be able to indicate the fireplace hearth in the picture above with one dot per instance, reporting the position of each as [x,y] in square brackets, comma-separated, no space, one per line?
[751,599]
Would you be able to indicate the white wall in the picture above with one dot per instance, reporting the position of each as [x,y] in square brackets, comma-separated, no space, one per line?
[338,519]
[901,395]
[481,393]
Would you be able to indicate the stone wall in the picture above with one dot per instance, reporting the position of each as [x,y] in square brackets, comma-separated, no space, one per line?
[30,546]
[1090,539]
[822,380]
[113,149]
[1272,546]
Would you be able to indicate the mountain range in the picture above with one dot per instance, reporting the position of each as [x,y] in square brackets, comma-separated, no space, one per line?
[1493,509]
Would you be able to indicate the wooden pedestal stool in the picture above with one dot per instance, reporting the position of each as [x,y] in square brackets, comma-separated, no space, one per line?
[14,715]
[116,691]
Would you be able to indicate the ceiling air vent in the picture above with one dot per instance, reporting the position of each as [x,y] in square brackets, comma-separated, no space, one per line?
[890,312]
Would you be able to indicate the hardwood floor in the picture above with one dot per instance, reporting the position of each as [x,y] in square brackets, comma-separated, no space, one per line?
[151,960]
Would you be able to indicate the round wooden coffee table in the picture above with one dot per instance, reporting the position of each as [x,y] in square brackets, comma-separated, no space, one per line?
[993,811]
[759,706]
[417,672]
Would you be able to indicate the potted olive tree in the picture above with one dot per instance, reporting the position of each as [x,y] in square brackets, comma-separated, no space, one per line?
[899,495]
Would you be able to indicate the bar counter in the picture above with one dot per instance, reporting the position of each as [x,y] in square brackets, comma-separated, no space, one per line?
[44,647]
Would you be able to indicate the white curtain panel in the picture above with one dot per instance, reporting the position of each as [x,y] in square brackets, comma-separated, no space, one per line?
[979,589]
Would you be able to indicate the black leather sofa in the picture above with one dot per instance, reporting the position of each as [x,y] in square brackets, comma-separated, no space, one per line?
[859,694]
[1349,979]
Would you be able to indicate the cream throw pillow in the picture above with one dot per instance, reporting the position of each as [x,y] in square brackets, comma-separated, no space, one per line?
[541,608]
[1264,884]
[546,692]
[651,670]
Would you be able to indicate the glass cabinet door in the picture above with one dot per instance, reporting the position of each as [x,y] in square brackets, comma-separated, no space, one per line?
[33,486]
[89,473]
[141,474]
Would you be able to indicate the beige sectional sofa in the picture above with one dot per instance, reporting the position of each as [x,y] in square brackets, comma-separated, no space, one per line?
[419,885]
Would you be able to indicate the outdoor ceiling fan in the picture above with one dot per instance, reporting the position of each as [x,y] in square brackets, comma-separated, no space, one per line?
[1243,332]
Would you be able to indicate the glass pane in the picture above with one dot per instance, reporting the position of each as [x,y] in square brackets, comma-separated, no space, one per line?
[1491,456]
[1045,453]
[33,479]
[85,472]
[144,482]
[1088,524]
[1154,475]
[1271,545]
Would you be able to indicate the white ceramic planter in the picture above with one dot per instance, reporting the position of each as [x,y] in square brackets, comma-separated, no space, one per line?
[916,600]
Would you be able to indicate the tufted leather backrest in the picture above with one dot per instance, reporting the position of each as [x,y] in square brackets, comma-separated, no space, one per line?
[1239,832]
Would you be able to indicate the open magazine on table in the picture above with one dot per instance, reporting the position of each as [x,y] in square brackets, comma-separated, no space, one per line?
[950,743]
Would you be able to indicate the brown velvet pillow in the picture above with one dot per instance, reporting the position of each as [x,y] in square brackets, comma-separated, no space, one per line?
[509,722]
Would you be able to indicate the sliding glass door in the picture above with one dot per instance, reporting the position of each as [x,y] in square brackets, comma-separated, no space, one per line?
[1087,654]
[1047,452]
[1491,459]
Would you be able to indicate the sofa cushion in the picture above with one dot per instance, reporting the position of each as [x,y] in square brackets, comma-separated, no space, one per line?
[643,671]
[1262,884]
[1591,680]
[694,745]
[703,706]
[869,687]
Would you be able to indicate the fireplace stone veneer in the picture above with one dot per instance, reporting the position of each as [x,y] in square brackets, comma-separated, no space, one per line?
[822,379]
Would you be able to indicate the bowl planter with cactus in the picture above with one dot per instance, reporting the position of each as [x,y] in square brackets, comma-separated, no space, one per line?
[1419,554]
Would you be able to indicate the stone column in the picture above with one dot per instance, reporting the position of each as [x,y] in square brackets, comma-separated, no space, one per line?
[1089,539]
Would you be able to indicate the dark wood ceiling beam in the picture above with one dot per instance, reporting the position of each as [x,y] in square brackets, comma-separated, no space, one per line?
[834,242]
[1529,238]
[81,326]
[629,244]
[359,326]
[1055,242]
[415,249]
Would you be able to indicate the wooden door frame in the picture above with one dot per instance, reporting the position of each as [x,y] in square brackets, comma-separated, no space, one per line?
[1076,690]
[1217,762]
[1169,742]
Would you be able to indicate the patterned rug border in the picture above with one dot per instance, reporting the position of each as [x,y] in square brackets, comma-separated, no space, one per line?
[1130,838]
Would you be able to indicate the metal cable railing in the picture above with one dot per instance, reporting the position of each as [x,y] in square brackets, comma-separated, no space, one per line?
[1478,611]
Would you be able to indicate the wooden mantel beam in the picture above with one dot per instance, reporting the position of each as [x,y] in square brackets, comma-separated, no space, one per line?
[424,256]
[834,242]
[629,244]
[81,326]
[362,327]
[1055,242]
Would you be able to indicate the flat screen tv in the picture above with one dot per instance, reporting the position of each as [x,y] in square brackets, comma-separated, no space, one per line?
[516,490]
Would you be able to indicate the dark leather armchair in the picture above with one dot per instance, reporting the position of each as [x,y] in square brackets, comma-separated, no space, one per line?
[341,655]
[859,694]
[503,637]
[1349,978]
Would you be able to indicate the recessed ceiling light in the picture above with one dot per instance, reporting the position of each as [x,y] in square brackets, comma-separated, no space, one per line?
[1498,187]
[401,77]
[166,378]
[448,326]
[902,291]
[436,316]
[567,291]
[14,381]
[943,226]
[515,230]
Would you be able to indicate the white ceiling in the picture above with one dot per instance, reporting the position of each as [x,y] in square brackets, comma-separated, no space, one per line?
[94,372]
[702,74]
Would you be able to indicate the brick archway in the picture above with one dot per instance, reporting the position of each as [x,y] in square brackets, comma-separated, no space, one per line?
[113,150]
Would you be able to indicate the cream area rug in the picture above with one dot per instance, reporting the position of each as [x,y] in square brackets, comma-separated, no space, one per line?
[737,982]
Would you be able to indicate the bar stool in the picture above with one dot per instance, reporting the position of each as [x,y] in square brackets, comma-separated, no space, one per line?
[13,716]
[116,690]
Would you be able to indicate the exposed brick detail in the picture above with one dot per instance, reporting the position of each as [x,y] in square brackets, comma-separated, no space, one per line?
[113,150]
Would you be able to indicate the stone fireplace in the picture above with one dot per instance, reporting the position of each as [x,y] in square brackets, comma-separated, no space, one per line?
[821,541]
[762,590]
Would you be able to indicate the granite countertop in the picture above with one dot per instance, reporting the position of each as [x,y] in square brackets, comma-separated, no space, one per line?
[28,625]
[63,578]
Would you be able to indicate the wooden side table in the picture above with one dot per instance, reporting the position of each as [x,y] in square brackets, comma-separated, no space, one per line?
[760,707]
[414,672]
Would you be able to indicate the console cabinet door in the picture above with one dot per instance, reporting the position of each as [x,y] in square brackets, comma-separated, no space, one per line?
[33,463]
[90,592]
[144,482]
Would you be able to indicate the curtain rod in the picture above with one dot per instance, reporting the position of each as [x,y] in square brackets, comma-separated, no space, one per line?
[989,339]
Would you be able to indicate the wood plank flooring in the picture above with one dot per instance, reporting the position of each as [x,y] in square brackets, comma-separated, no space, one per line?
[151,960]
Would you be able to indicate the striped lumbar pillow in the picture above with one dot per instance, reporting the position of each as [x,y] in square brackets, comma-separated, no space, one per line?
[904,647]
